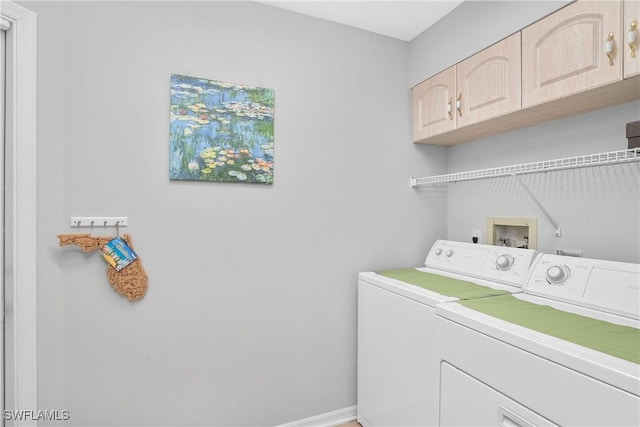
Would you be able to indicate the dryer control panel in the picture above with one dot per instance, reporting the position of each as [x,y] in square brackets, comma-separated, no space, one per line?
[609,286]
[496,263]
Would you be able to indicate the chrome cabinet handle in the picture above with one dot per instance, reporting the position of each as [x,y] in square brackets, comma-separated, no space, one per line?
[450,109]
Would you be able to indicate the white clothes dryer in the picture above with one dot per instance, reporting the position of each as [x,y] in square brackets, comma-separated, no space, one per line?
[397,366]
[564,352]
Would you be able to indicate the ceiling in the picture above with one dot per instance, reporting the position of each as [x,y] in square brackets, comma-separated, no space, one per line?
[402,20]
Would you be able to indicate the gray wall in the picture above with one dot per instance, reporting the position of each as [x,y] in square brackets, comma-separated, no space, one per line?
[250,317]
[597,208]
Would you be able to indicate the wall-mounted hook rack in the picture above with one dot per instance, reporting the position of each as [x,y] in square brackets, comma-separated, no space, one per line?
[98,221]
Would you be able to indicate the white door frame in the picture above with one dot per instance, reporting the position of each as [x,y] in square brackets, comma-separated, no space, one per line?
[21,137]
[3,79]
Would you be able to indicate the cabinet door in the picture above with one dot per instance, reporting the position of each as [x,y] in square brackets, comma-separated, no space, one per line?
[434,105]
[631,62]
[564,53]
[488,83]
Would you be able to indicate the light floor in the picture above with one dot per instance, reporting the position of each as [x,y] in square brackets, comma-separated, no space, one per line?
[351,424]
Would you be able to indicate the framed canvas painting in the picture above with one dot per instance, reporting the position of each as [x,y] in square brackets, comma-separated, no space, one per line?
[220,132]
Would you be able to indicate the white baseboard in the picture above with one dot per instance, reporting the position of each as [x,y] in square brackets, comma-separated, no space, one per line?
[328,419]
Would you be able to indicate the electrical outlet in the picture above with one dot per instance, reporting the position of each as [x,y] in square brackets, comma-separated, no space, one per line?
[475,236]
[569,252]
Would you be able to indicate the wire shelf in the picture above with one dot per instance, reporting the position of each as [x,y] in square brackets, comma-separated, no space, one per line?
[586,160]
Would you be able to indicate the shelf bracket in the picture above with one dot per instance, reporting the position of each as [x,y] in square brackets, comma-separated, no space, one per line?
[539,205]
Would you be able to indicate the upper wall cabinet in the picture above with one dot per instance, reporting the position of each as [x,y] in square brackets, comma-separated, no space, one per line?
[482,87]
[488,83]
[433,105]
[581,58]
[631,23]
[572,50]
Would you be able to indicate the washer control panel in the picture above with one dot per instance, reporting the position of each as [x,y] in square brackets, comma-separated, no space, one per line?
[496,263]
[608,286]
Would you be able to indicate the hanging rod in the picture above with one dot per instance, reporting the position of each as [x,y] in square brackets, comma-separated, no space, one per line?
[586,160]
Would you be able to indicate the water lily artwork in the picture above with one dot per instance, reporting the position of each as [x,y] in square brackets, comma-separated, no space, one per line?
[220,132]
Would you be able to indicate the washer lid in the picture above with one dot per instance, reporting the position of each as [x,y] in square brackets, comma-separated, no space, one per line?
[447,286]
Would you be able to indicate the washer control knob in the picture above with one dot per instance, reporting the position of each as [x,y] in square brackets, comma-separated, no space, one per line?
[557,274]
[438,251]
[449,253]
[504,262]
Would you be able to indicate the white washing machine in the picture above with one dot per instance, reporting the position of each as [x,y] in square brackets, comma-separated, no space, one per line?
[397,365]
[564,352]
